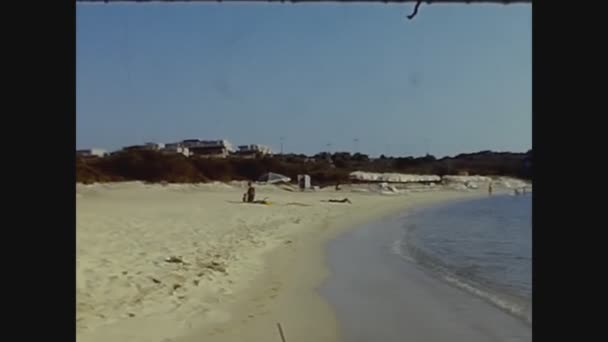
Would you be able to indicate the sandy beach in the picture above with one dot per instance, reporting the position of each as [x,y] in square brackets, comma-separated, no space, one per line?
[193,263]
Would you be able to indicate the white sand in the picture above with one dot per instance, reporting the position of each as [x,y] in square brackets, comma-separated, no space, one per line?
[246,267]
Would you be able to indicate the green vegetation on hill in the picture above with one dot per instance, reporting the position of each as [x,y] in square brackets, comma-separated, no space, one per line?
[151,166]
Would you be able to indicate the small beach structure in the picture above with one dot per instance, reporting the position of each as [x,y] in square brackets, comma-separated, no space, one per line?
[304,182]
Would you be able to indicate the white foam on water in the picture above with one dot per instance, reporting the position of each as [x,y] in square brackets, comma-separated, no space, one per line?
[407,251]
[520,310]
[396,249]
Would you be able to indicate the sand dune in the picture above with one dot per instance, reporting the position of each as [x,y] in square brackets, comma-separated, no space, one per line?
[155,263]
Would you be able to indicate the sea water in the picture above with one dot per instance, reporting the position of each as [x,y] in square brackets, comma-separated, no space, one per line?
[482,246]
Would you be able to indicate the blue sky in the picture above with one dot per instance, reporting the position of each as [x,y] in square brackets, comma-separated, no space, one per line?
[457,78]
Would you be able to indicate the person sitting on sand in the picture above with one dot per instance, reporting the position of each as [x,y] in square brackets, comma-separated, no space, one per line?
[250,193]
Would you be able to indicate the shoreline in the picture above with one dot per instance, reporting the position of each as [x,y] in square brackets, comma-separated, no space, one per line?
[299,307]
[515,304]
[379,296]
[274,257]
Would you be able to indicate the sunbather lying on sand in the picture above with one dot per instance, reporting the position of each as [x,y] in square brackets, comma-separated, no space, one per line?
[344,200]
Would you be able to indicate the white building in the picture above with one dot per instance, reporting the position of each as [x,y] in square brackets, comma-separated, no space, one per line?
[154,146]
[175,149]
[212,144]
[173,145]
[204,148]
[254,149]
[93,152]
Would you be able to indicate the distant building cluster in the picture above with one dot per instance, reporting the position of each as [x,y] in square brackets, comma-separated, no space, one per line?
[250,151]
[93,152]
[192,148]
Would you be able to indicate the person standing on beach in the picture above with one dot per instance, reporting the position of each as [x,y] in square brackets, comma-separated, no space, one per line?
[490,188]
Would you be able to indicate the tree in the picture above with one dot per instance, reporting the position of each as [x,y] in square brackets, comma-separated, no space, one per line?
[360,157]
